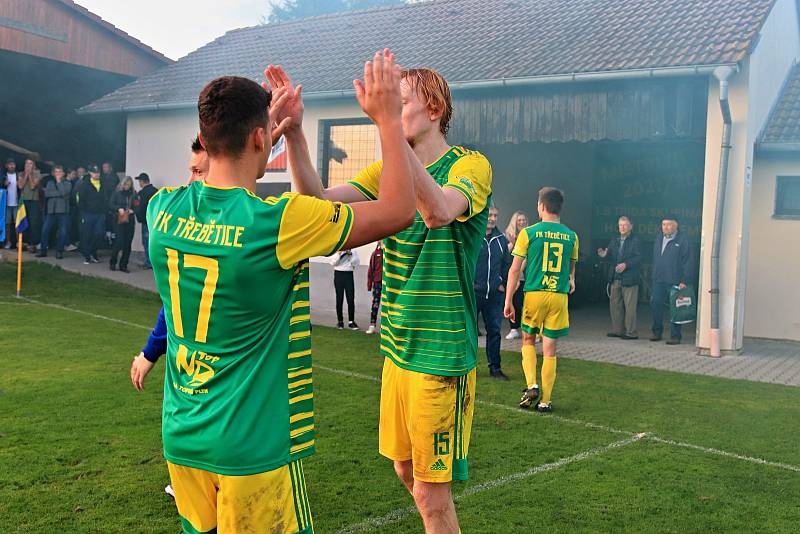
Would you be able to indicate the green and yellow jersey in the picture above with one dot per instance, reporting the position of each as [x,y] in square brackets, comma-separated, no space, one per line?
[232,272]
[428,317]
[549,247]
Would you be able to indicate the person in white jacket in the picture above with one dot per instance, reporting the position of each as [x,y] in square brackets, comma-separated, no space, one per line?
[344,263]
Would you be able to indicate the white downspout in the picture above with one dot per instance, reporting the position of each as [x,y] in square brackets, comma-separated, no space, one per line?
[722,74]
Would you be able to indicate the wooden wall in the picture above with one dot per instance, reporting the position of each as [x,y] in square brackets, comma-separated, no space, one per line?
[53,30]
[629,110]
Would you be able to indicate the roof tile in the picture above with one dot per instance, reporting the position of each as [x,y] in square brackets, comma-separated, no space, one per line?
[466,40]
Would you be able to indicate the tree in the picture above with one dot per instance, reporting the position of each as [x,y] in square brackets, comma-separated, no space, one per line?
[283,10]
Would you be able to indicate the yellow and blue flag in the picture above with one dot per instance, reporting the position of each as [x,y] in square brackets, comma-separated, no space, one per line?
[22,219]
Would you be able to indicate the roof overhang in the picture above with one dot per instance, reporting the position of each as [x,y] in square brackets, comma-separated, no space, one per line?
[778,148]
[527,81]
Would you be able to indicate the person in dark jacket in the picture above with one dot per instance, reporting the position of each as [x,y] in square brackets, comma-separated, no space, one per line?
[57,192]
[93,203]
[74,178]
[672,266]
[374,284]
[146,192]
[121,206]
[491,274]
[624,259]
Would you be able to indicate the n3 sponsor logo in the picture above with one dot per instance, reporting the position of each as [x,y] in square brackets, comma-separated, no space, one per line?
[197,366]
[550,282]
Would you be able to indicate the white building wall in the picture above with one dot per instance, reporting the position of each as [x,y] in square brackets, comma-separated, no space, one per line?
[771,308]
[753,92]
[159,143]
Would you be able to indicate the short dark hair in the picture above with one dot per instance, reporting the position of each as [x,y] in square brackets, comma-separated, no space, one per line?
[230,108]
[197,146]
[552,199]
[56,167]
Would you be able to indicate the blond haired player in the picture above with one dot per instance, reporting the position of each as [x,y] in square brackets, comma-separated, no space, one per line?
[428,319]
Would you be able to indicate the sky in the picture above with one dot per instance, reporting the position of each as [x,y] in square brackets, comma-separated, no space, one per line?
[177,27]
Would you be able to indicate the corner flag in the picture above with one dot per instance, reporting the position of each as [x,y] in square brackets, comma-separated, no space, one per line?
[22,225]
[22,219]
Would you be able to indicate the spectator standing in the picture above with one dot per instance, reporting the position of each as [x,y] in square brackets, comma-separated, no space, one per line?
[146,192]
[74,218]
[57,197]
[491,275]
[28,183]
[124,225]
[109,181]
[624,259]
[93,205]
[344,263]
[672,264]
[9,181]
[374,284]
[518,222]
[109,178]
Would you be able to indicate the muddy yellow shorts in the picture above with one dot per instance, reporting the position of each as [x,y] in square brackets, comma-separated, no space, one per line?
[545,313]
[427,419]
[273,501]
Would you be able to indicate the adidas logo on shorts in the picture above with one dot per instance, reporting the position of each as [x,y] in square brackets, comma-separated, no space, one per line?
[439,466]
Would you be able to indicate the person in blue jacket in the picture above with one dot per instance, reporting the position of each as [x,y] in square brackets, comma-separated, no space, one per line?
[491,275]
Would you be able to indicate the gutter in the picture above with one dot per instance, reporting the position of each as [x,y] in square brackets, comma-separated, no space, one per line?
[523,81]
[722,74]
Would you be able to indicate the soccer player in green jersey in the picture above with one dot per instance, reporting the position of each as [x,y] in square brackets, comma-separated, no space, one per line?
[232,272]
[428,317]
[551,251]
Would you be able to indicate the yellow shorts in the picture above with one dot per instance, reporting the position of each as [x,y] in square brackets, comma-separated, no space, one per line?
[273,501]
[427,419]
[545,313]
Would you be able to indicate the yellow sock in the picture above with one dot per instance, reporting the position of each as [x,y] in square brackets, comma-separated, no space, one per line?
[548,377]
[529,364]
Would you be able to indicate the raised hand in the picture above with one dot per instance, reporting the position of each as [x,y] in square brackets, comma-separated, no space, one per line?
[379,93]
[292,108]
[278,126]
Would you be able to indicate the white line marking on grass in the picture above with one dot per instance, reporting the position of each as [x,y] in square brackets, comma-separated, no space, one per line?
[65,308]
[718,452]
[707,450]
[495,405]
[397,515]
[651,437]
[347,373]
[569,420]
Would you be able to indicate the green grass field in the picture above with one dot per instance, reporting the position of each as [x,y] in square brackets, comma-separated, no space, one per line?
[80,450]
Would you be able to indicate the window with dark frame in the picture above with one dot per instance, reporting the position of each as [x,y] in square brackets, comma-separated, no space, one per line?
[787,197]
[346,147]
